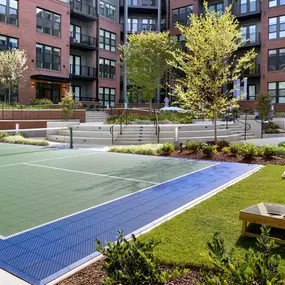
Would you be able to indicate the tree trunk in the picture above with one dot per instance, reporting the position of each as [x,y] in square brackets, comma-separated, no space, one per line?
[215,128]
[150,108]
[9,97]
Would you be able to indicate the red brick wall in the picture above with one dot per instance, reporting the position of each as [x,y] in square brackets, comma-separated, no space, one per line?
[40,115]
[113,27]
[269,44]
[28,37]
[11,125]
[250,106]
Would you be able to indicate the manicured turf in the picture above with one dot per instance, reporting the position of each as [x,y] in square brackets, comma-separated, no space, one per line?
[184,237]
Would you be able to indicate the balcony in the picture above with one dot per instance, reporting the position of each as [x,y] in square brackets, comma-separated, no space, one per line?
[82,42]
[252,40]
[248,10]
[139,28]
[143,6]
[82,11]
[253,71]
[83,72]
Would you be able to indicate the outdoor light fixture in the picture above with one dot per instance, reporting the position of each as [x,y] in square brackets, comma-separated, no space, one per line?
[33,84]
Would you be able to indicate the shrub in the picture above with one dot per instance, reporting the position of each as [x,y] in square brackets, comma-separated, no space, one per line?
[226,150]
[272,125]
[235,148]
[147,149]
[168,147]
[272,131]
[280,152]
[68,104]
[132,263]
[249,150]
[194,146]
[282,144]
[258,265]
[220,144]
[21,140]
[209,150]
[3,135]
[41,102]
[269,151]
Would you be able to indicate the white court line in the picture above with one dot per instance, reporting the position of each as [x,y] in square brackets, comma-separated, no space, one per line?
[90,173]
[113,200]
[47,159]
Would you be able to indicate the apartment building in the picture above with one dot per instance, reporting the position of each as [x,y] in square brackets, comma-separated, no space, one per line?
[263,24]
[141,16]
[70,45]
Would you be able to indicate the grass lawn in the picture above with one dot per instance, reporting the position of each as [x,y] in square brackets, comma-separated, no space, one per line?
[184,237]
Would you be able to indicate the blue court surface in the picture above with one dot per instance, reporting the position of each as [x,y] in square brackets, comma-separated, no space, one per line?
[55,203]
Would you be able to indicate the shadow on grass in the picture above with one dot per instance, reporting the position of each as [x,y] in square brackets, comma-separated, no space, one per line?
[247,242]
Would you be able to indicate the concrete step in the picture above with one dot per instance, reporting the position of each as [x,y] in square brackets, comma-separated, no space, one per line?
[86,134]
[80,140]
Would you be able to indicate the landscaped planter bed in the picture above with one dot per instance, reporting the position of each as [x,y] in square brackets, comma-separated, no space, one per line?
[93,275]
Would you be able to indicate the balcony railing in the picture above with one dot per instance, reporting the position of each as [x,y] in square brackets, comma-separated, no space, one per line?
[82,7]
[140,3]
[79,39]
[253,71]
[252,39]
[140,28]
[247,9]
[83,71]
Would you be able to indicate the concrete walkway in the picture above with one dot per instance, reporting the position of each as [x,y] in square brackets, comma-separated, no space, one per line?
[267,141]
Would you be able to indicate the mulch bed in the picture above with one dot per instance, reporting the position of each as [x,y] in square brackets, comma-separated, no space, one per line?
[228,158]
[93,275]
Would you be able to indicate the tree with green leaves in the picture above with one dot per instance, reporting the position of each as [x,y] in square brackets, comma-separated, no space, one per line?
[12,66]
[213,40]
[146,57]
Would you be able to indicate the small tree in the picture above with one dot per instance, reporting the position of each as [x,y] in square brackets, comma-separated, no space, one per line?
[211,63]
[12,67]
[263,106]
[145,57]
[68,104]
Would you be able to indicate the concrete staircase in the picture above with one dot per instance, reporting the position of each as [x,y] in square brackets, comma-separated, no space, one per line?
[96,117]
[91,134]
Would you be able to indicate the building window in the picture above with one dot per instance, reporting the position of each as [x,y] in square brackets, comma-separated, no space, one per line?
[251,92]
[107,96]
[276,59]
[7,43]
[277,27]
[277,90]
[249,34]
[217,7]
[107,40]
[48,91]
[107,68]
[181,15]
[9,12]
[248,6]
[48,57]
[76,90]
[274,3]
[107,10]
[48,22]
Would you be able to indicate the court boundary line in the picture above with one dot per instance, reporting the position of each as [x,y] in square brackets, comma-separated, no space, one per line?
[102,204]
[149,227]
[90,173]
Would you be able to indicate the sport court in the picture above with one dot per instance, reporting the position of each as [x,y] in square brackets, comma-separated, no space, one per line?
[55,202]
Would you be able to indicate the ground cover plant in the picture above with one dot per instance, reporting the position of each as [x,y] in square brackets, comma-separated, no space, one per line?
[20,139]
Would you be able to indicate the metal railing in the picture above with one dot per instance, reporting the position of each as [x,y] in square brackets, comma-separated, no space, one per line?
[82,39]
[119,120]
[82,70]
[157,126]
[252,38]
[83,7]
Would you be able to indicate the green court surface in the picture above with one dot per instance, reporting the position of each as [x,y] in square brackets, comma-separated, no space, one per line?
[39,185]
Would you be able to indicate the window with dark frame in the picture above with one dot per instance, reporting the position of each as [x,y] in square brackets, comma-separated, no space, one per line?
[48,22]
[7,43]
[274,3]
[248,6]
[107,10]
[9,12]
[251,95]
[107,40]
[277,90]
[48,57]
[217,7]
[276,59]
[107,68]
[107,96]
[48,91]
[181,15]
[276,27]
